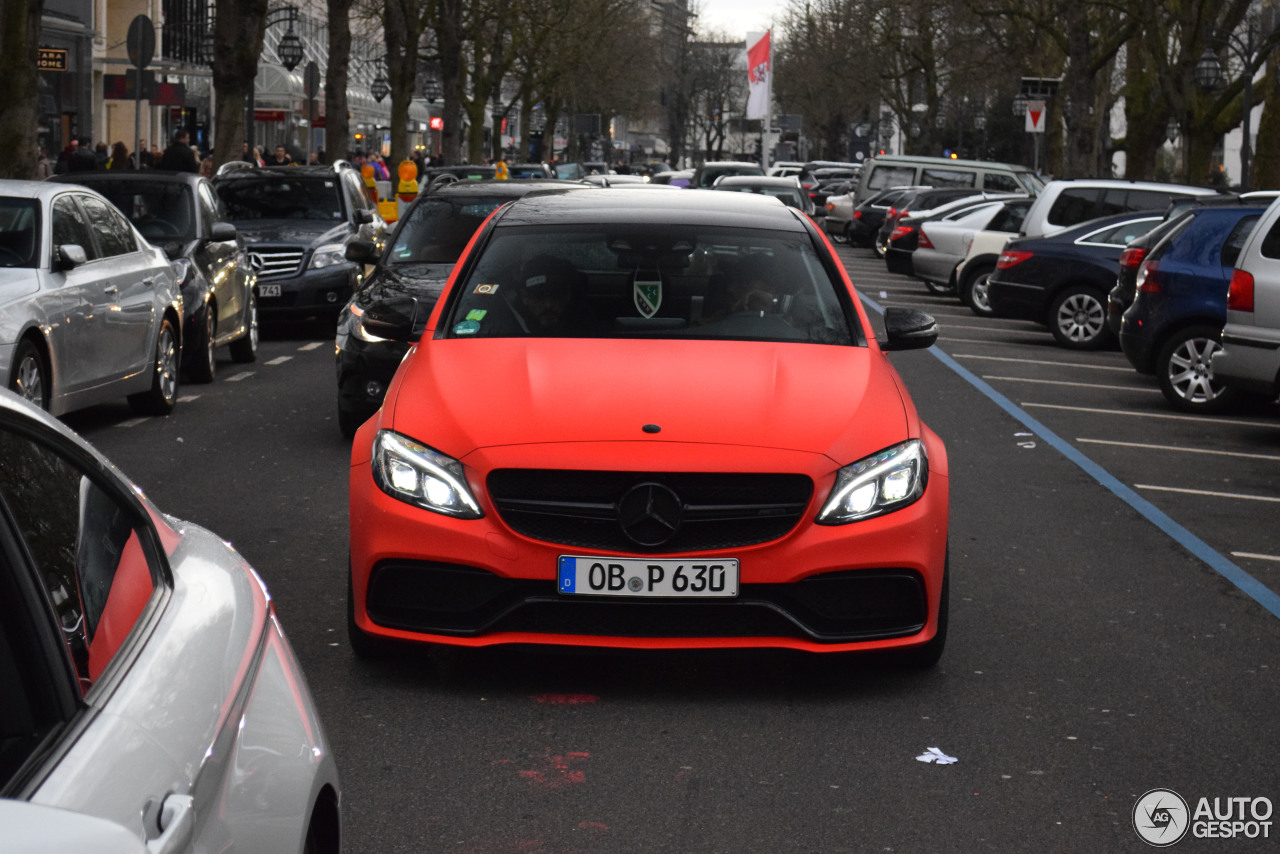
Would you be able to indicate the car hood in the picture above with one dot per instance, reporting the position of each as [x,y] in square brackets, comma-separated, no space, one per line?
[423,281]
[459,395]
[296,231]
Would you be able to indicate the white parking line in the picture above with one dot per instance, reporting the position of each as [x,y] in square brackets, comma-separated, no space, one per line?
[243,375]
[1199,418]
[944,337]
[133,422]
[1078,385]
[1268,457]
[1273,499]
[312,346]
[278,360]
[187,398]
[1256,557]
[1042,362]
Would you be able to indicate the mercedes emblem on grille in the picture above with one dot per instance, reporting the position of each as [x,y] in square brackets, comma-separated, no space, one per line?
[256,262]
[650,514]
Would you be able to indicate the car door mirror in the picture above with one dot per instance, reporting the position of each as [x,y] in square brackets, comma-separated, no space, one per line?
[68,256]
[392,319]
[364,216]
[362,252]
[222,232]
[908,329]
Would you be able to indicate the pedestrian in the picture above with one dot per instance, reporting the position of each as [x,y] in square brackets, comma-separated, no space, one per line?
[155,156]
[119,157]
[380,171]
[145,160]
[84,158]
[281,157]
[63,165]
[179,157]
[206,167]
[44,168]
[101,154]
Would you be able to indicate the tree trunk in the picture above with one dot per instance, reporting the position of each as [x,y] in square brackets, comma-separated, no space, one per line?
[19,38]
[237,34]
[449,40]
[337,127]
[1266,160]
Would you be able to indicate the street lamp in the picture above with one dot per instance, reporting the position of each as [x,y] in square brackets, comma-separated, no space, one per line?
[1251,50]
[1020,102]
[290,53]
[380,88]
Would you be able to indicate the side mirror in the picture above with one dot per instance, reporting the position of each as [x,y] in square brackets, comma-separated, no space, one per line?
[908,329]
[362,252]
[392,319]
[364,216]
[68,256]
[222,232]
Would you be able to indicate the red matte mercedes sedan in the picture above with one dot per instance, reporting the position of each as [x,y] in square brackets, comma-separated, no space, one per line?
[654,421]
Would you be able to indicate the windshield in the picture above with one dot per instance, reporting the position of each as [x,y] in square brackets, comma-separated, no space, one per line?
[19,230]
[439,228]
[160,210]
[281,198]
[652,281]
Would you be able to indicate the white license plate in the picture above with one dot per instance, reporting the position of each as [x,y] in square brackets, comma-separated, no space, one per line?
[269,290]
[612,576]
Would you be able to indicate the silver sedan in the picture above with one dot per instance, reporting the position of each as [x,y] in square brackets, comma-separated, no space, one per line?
[147,681]
[89,310]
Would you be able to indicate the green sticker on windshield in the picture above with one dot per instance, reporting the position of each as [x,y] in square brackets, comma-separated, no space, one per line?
[466,327]
[476,314]
[403,251]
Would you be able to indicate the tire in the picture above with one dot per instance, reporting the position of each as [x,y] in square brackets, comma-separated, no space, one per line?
[973,292]
[203,358]
[161,398]
[941,289]
[245,349]
[1185,374]
[880,246]
[1078,319]
[30,379]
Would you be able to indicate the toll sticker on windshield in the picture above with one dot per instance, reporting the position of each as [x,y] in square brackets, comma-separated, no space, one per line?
[403,251]
[486,289]
[476,314]
[466,327]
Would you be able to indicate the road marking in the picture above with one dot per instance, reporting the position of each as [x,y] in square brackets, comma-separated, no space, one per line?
[187,398]
[1250,586]
[312,346]
[942,336]
[278,360]
[1042,362]
[133,422]
[1268,457]
[1208,492]
[1078,385]
[1198,418]
[243,375]
[1255,557]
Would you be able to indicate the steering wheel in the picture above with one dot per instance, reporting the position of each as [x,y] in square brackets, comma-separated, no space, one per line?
[9,258]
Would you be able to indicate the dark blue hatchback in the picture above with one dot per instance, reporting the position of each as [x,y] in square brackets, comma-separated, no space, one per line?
[1175,323]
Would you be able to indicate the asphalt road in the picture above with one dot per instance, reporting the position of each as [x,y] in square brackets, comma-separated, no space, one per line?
[1094,654]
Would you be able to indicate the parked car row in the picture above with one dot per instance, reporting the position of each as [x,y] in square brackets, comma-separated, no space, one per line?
[1158,269]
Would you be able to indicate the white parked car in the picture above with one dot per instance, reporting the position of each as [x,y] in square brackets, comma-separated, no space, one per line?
[146,679]
[89,310]
[945,242]
[1250,356]
[1064,203]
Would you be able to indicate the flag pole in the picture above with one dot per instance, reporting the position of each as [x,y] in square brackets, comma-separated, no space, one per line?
[766,130]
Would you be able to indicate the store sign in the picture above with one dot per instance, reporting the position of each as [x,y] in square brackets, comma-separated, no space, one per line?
[51,59]
[268,115]
[120,87]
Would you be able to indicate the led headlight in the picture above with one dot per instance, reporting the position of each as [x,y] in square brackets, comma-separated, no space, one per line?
[879,484]
[415,474]
[357,325]
[181,269]
[328,255]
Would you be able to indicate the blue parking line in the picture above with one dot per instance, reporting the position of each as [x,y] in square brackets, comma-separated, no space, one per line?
[1250,586]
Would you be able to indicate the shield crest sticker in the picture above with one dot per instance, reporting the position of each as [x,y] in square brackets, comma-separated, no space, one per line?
[647,292]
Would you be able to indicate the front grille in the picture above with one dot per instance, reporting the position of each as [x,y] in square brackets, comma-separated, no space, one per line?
[717,511]
[837,607]
[269,262]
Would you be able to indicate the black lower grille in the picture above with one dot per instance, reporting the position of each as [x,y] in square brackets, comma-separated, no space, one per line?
[717,511]
[829,608]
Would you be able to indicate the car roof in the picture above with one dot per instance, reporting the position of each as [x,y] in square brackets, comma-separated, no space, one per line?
[630,206]
[758,181]
[1189,189]
[280,172]
[1080,229]
[507,189]
[129,175]
[19,189]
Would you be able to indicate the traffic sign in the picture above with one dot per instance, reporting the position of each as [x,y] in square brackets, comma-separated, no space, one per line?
[1035,117]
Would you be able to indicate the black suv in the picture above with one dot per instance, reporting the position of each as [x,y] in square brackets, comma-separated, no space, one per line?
[180,213]
[297,222]
[419,258]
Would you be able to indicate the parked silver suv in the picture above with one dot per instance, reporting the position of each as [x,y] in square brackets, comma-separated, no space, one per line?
[1250,356]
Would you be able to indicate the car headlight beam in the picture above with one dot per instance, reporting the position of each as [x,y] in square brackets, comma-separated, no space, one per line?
[878,484]
[415,474]
[328,255]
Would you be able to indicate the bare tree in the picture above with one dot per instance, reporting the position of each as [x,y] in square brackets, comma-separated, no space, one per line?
[337,127]
[238,34]
[19,39]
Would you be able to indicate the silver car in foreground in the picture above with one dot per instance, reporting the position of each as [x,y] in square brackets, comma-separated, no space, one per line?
[146,680]
[89,310]
[1250,356]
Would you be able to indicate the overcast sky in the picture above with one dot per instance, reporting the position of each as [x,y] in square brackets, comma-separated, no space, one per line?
[735,18]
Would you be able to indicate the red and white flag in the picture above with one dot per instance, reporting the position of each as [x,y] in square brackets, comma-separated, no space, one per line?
[759,66]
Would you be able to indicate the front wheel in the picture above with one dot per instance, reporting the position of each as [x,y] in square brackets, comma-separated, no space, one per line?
[939,288]
[881,246]
[1078,319]
[162,397]
[1185,374]
[30,379]
[203,358]
[245,349]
